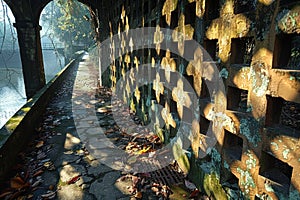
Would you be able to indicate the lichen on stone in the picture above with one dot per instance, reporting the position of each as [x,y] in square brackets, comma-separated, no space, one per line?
[220,119]
[251,161]
[276,145]
[268,187]
[259,78]
[224,73]
[250,129]
[285,153]
[246,180]
[226,165]
[294,194]
[214,164]
[289,20]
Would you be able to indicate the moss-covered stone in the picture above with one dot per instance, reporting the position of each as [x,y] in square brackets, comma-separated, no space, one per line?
[212,186]
[250,129]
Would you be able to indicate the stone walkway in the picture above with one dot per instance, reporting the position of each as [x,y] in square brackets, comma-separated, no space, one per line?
[57,164]
[63,150]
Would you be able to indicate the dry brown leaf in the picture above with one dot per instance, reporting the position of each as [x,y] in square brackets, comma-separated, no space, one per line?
[39,144]
[138,195]
[17,183]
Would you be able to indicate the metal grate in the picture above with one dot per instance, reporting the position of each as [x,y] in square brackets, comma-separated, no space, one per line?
[167,176]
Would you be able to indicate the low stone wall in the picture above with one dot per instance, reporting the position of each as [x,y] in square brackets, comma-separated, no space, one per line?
[18,131]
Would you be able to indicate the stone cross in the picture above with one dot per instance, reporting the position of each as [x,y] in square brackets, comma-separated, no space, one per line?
[123,14]
[132,105]
[131,44]
[195,137]
[226,27]
[127,91]
[126,28]
[168,64]
[123,43]
[123,71]
[200,7]
[158,87]
[167,116]
[181,97]
[136,62]
[127,60]
[181,33]
[158,38]
[137,94]
[194,69]
[113,73]
[169,6]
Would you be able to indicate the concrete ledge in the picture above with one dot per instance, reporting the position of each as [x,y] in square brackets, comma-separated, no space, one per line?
[18,131]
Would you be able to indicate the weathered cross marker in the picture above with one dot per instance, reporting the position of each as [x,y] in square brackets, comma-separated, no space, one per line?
[168,64]
[226,27]
[137,94]
[167,116]
[169,6]
[158,38]
[200,7]
[181,33]
[181,97]
[158,87]
[194,69]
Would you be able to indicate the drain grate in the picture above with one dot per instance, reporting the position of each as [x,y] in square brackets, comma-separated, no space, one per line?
[167,176]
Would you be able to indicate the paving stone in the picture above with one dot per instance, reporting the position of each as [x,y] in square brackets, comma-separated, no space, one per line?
[70,192]
[105,189]
[66,159]
[70,171]
[97,168]
[71,141]
[50,178]
[123,185]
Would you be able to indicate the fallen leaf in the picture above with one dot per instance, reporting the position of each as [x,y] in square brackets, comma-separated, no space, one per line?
[144,150]
[39,144]
[17,183]
[73,180]
[138,195]
[38,173]
[135,180]
[194,194]
[51,187]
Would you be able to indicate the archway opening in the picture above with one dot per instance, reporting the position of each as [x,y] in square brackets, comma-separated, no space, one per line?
[66,28]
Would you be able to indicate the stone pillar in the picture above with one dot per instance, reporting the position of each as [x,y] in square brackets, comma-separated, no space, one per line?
[31,56]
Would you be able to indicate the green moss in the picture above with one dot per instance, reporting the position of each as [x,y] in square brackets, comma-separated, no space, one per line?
[14,122]
[213,187]
[178,192]
[26,109]
[181,157]
[226,165]
[294,194]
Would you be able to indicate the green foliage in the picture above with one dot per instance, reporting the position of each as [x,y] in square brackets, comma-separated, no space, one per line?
[69,22]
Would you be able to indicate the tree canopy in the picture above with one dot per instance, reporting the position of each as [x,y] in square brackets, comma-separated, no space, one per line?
[69,22]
